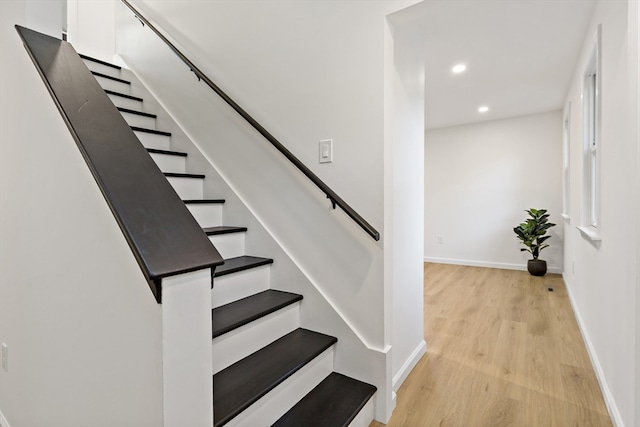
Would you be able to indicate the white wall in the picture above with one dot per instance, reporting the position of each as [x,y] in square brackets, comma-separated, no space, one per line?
[91,25]
[634,78]
[82,327]
[307,70]
[46,15]
[603,278]
[404,193]
[480,178]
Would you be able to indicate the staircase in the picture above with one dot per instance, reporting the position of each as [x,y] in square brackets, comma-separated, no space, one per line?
[267,370]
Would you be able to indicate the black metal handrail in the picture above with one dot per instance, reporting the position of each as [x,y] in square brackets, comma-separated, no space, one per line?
[331,195]
[163,236]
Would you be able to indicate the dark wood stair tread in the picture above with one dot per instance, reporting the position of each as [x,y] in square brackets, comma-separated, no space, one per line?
[223,229]
[243,383]
[157,132]
[100,61]
[167,152]
[183,175]
[122,95]
[115,79]
[241,312]
[137,113]
[245,262]
[334,402]
[203,201]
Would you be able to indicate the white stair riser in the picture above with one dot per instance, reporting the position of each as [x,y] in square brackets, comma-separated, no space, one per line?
[113,85]
[241,342]
[139,121]
[278,401]
[207,214]
[169,163]
[152,140]
[187,188]
[122,102]
[365,416]
[103,69]
[229,245]
[231,287]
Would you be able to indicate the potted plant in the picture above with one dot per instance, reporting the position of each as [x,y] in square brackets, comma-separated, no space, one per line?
[532,235]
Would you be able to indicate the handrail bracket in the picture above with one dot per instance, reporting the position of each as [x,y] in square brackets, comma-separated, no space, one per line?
[140,20]
[333,201]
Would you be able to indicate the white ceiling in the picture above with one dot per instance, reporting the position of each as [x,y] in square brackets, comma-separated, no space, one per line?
[520,56]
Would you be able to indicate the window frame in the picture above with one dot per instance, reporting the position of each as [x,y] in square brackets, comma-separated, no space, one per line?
[566,163]
[592,143]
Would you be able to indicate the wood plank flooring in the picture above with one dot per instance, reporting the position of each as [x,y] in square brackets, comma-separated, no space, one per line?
[501,351]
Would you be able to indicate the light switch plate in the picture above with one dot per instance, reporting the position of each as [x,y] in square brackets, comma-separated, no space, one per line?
[325,154]
[5,357]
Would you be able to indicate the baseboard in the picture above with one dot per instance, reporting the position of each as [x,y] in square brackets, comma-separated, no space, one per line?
[614,413]
[408,366]
[501,265]
[3,421]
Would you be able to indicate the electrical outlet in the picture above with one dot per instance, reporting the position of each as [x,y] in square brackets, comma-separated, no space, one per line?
[5,357]
[440,240]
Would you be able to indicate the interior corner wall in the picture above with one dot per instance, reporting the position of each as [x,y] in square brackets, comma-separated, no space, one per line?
[81,326]
[479,179]
[602,278]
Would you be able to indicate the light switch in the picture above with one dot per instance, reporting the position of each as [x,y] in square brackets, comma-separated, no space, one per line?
[5,357]
[326,151]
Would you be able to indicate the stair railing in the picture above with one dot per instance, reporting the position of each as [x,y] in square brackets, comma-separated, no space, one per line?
[331,195]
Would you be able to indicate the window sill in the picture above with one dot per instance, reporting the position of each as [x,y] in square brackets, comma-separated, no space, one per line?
[590,233]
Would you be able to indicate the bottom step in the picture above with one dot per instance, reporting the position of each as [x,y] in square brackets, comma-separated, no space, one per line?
[335,402]
[245,382]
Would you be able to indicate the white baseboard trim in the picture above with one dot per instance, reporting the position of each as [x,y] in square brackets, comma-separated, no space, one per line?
[3,420]
[502,265]
[614,413]
[408,366]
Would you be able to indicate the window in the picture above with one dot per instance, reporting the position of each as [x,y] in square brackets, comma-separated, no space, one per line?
[591,100]
[566,175]
[591,147]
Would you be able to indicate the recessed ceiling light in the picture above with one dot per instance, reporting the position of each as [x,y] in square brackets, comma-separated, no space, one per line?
[483,109]
[459,68]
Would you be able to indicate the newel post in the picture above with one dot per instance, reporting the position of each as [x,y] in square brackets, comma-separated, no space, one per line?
[187,351]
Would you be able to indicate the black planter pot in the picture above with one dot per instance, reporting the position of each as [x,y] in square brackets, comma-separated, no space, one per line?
[537,267]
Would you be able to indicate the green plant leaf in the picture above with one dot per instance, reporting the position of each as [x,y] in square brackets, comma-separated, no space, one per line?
[532,231]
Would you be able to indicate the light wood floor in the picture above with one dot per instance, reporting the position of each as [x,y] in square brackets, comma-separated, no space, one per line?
[501,351]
